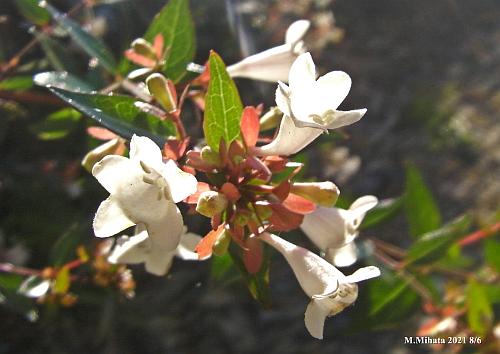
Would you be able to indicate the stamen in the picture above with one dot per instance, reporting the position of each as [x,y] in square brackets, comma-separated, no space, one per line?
[148,180]
[166,193]
[145,167]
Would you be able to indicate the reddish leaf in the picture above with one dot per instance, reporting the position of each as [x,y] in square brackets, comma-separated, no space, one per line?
[284,219]
[204,248]
[200,188]
[230,191]
[158,45]
[101,133]
[282,190]
[298,204]
[174,149]
[195,161]
[139,59]
[249,126]
[275,163]
[252,256]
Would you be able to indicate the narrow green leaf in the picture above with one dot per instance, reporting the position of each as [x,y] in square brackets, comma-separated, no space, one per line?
[119,114]
[223,106]
[258,283]
[62,80]
[16,83]
[62,281]
[492,253]
[32,12]
[480,313]
[434,245]
[64,249]
[57,125]
[384,211]
[422,211]
[94,47]
[175,24]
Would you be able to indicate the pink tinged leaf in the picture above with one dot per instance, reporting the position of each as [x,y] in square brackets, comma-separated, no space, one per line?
[158,45]
[283,219]
[172,90]
[282,190]
[252,256]
[101,133]
[139,59]
[174,149]
[195,161]
[250,126]
[230,191]
[204,248]
[200,188]
[298,204]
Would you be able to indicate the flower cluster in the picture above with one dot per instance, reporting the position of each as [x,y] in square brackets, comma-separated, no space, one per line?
[247,189]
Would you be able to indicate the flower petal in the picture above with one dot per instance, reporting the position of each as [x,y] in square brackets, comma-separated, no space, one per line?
[363,274]
[302,72]
[343,256]
[106,170]
[296,31]
[181,184]
[131,250]
[110,219]
[315,318]
[188,243]
[343,118]
[145,149]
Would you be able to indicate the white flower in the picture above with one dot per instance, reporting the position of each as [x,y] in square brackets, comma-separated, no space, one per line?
[273,64]
[333,230]
[329,289]
[142,189]
[309,107]
[140,249]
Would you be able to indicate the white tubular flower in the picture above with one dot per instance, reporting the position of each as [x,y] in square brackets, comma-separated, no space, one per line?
[309,107]
[142,189]
[328,288]
[140,249]
[273,64]
[333,230]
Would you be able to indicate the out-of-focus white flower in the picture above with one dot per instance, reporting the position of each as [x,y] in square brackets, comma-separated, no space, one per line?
[329,289]
[142,189]
[273,64]
[309,107]
[140,249]
[333,230]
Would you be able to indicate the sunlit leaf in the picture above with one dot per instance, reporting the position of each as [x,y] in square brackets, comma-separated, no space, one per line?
[62,80]
[175,24]
[94,47]
[257,283]
[434,245]
[118,114]
[63,281]
[480,312]
[422,211]
[223,106]
[32,12]
[57,125]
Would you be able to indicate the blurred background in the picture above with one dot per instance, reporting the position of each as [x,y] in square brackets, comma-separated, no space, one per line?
[428,73]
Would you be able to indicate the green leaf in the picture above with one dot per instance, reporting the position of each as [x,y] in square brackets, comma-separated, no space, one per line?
[223,106]
[64,249]
[118,114]
[57,125]
[62,281]
[388,302]
[62,80]
[383,211]
[258,283]
[491,253]
[175,24]
[16,83]
[32,12]
[95,48]
[434,245]
[480,313]
[422,211]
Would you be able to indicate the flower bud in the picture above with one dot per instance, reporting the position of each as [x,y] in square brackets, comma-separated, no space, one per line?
[220,246]
[109,148]
[322,193]
[158,86]
[241,218]
[211,156]
[143,47]
[263,211]
[211,203]
[271,119]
